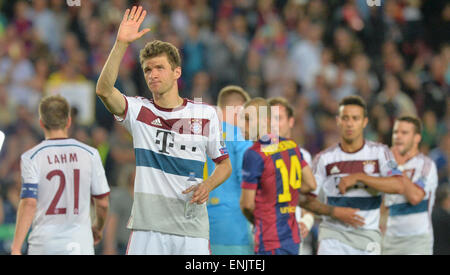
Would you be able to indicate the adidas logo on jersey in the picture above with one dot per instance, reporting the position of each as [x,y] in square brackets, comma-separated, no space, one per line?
[156,122]
[335,170]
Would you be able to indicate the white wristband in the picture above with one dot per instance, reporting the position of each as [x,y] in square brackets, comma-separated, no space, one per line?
[308,221]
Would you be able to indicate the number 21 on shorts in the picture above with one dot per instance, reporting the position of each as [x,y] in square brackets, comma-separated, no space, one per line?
[292,178]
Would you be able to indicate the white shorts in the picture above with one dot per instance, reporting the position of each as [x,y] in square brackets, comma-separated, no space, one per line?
[336,247]
[156,243]
[57,247]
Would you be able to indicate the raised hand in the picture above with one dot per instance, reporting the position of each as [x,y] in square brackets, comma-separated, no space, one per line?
[129,27]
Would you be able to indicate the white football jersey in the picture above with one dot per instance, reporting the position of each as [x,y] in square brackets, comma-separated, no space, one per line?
[62,174]
[329,166]
[170,145]
[406,219]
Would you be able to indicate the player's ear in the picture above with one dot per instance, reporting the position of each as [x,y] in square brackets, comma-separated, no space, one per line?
[69,122]
[417,138]
[366,120]
[177,72]
[41,124]
[291,122]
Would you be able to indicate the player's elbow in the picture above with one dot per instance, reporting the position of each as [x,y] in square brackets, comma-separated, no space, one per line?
[99,91]
[415,199]
[102,90]
[312,185]
[416,196]
[102,203]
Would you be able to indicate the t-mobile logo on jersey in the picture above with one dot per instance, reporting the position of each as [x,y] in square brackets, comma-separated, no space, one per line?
[165,142]
[373,3]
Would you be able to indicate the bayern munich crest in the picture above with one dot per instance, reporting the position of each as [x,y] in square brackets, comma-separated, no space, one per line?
[196,126]
[369,167]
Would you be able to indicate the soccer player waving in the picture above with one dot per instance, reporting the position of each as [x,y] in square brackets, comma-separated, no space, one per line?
[171,138]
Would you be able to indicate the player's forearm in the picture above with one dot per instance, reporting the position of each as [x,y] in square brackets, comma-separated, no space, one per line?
[310,203]
[25,215]
[110,70]
[384,215]
[390,185]
[413,193]
[109,241]
[248,214]
[221,173]
[308,181]
[101,212]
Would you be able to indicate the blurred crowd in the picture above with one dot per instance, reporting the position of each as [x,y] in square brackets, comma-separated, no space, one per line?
[313,52]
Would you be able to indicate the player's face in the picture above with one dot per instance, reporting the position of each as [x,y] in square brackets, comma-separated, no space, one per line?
[404,137]
[351,122]
[159,75]
[254,126]
[250,126]
[283,124]
[233,107]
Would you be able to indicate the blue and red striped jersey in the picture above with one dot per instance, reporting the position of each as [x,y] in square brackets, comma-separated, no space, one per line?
[273,167]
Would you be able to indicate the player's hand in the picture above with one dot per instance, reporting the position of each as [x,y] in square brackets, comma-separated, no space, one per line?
[97,234]
[382,228]
[348,215]
[201,193]
[129,27]
[303,230]
[347,182]
[16,252]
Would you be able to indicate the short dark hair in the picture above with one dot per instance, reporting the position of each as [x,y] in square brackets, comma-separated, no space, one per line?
[354,100]
[157,48]
[283,102]
[413,120]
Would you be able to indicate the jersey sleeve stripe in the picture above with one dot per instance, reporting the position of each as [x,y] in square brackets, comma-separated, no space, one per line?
[219,159]
[101,195]
[120,119]
[249,185]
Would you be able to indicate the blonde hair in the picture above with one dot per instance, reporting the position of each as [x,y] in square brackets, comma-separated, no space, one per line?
[231,89]
[283,102]
[258,102]
[54,112]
